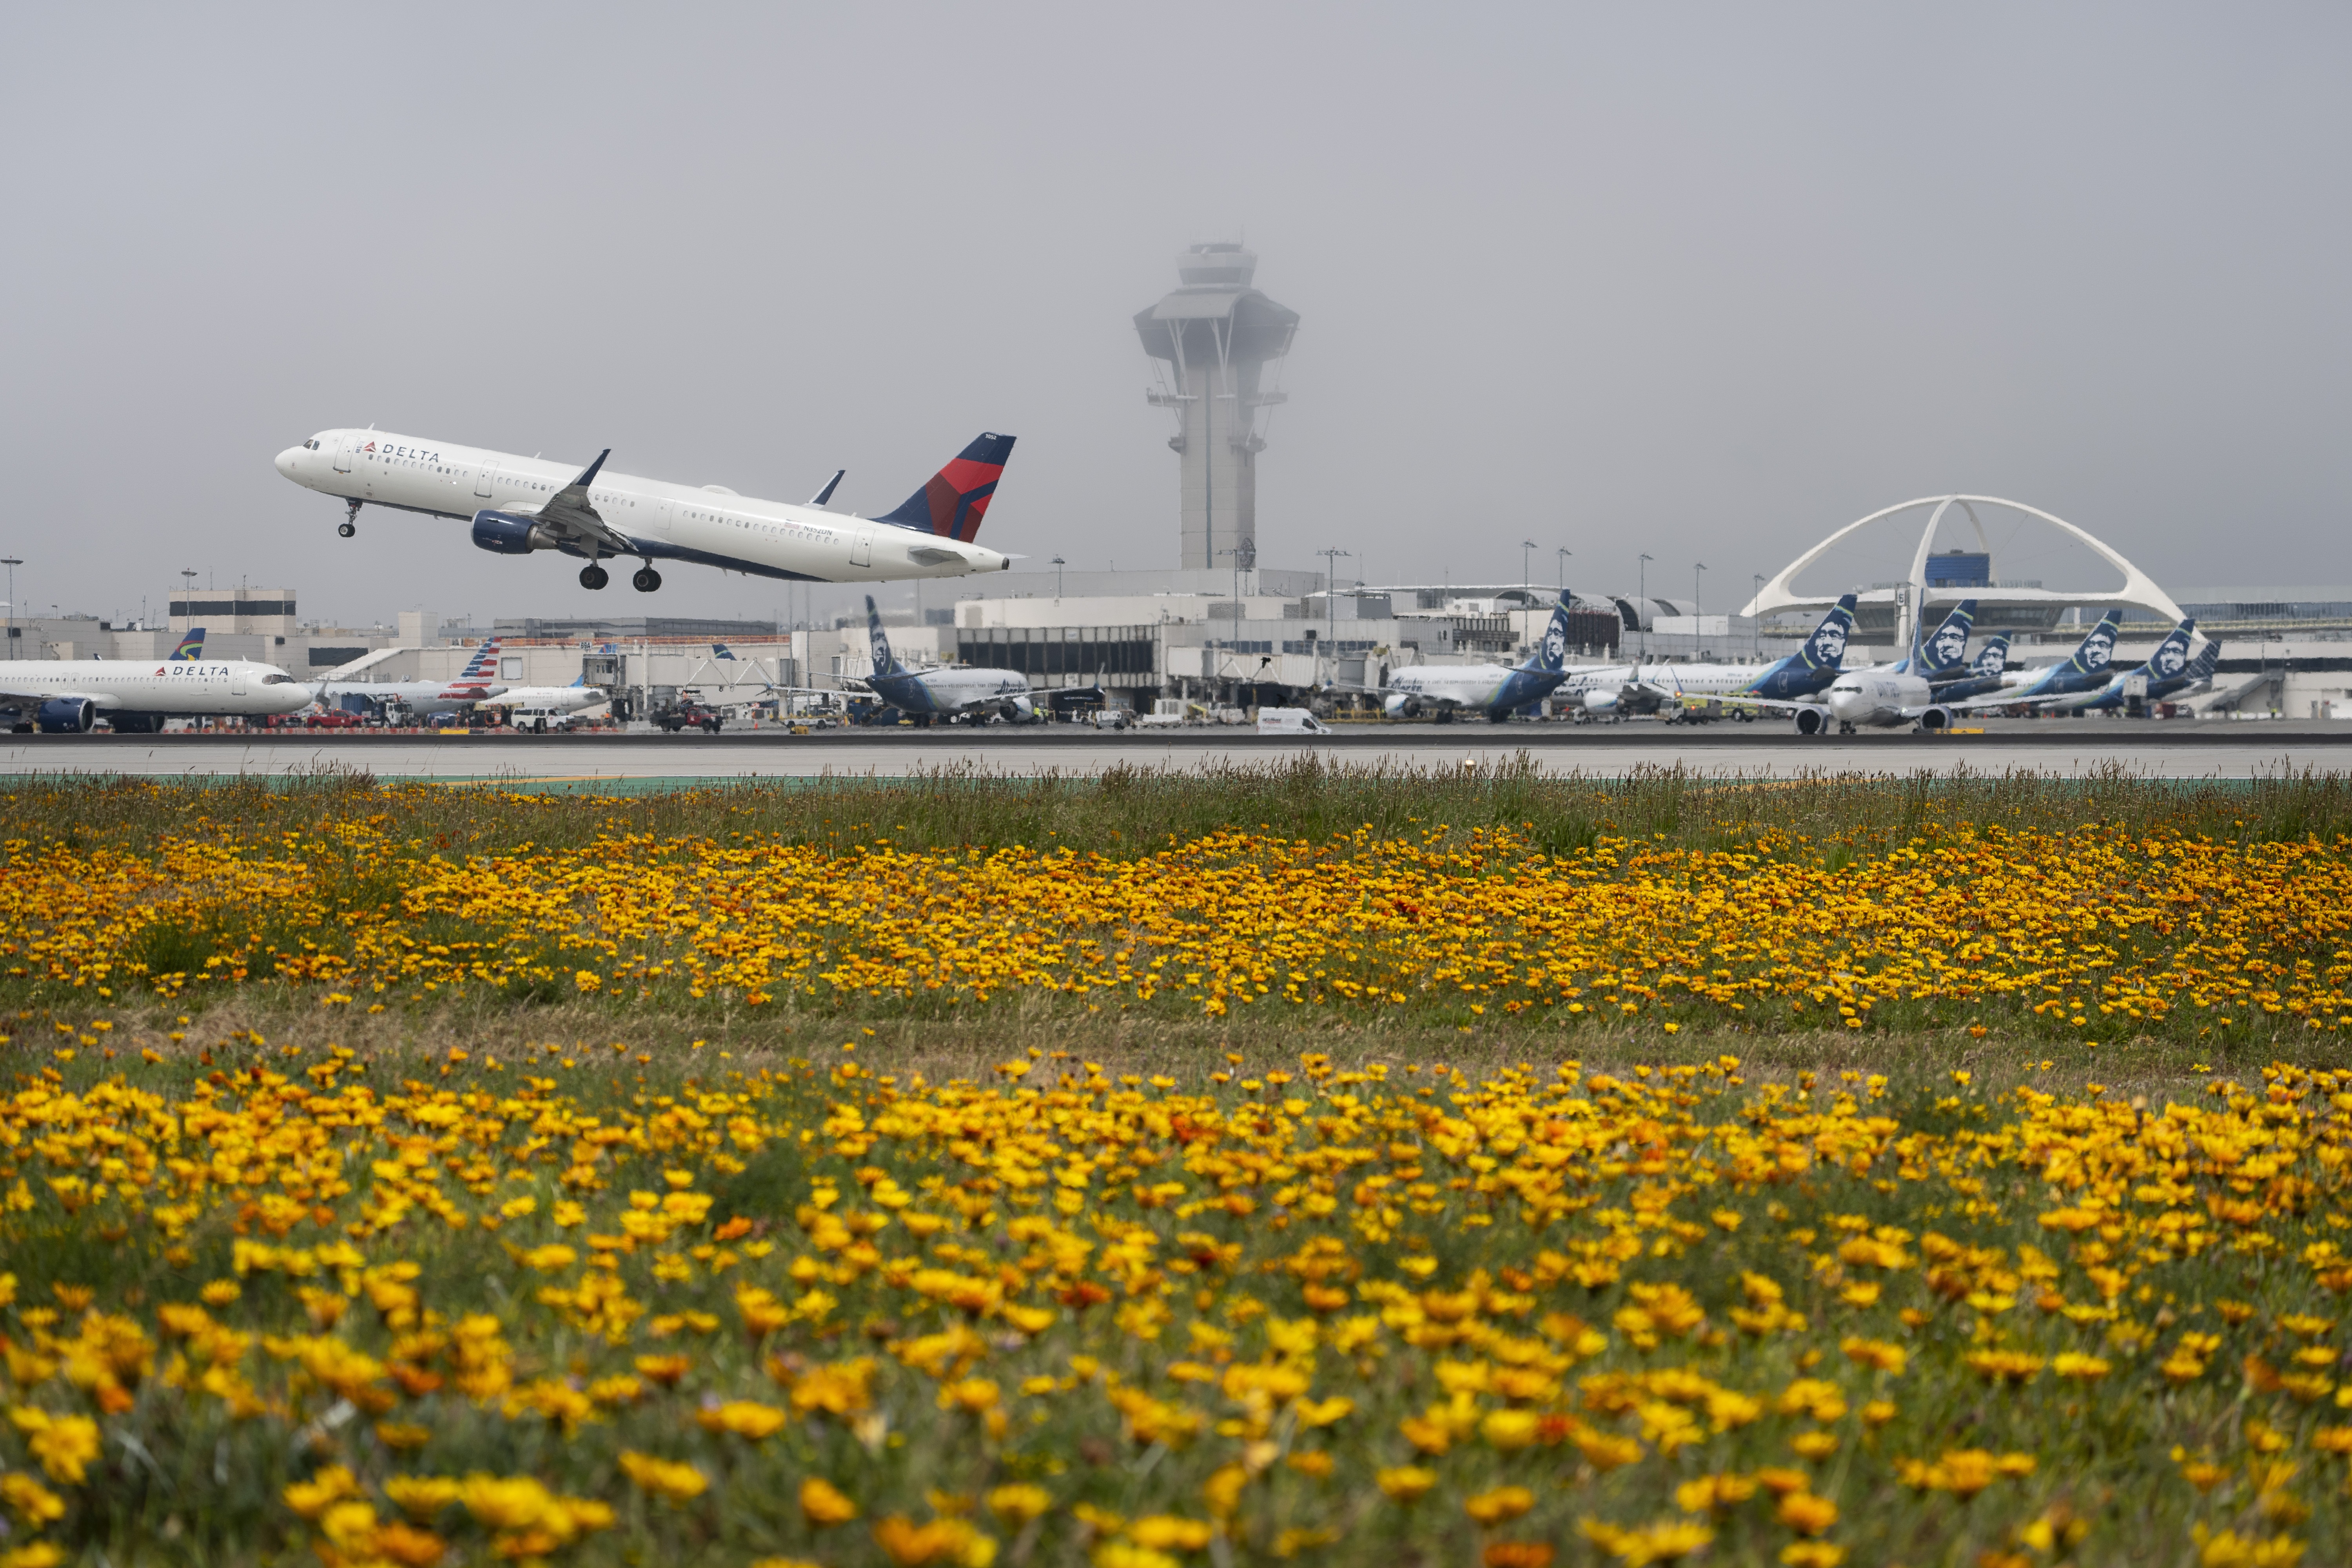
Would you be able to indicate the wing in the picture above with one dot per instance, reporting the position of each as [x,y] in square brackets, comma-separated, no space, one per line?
[933,555]
[572,517]
[9,697]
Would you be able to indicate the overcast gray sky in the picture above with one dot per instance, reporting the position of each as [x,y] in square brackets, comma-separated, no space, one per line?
[1704,281]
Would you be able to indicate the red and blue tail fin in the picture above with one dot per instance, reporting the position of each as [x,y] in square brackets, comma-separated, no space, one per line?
[484,664]
[953,503]
[192,646]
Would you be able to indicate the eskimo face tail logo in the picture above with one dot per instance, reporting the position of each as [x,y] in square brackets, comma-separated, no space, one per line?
[874,640]
[2099,646]
[1825,649]
[1993,657]
[1555,643]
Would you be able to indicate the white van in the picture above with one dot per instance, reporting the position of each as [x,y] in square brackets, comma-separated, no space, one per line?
[1289,722]
[540,721]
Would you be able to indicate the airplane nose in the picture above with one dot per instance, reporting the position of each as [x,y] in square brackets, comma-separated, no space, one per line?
[1845,704]
[286,460]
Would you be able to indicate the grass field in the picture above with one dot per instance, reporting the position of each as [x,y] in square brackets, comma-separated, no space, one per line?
[1342,1167]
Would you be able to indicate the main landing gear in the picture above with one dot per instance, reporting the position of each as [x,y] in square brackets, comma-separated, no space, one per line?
[593,576]
[350,524]
[645,579]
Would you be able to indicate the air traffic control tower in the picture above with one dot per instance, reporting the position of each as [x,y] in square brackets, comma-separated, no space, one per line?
[1211,342]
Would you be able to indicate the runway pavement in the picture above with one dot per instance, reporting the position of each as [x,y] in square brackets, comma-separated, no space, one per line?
[2179,748]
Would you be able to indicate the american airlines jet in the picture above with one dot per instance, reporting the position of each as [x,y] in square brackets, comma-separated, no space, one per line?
[517,505]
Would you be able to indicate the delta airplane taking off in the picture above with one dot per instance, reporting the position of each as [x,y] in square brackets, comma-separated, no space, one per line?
[67,697]
[474,684]
[520,504]
[952,691]
[1785,681]
[1497,690]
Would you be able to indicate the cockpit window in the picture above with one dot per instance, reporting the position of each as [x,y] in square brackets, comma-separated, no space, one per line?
[276,680]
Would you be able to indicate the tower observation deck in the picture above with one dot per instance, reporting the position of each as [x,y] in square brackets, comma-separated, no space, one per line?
[1211,340]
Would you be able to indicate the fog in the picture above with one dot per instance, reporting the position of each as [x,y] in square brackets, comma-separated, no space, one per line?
[1700,282]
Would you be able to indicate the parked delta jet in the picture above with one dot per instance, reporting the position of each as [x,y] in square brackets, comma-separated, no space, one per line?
[474,684]
[952,691]
[1494,689]
[67,697]
[520,504]
[1793,679]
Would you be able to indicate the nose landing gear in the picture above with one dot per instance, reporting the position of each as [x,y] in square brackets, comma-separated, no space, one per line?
[350,525]
[646,580]
[593,576]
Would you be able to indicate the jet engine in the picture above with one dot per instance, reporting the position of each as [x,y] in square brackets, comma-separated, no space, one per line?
[1401,705]
[1601,704]
[1019,711]
[66,716]
[1936,718]
[1813,721]
[506,534]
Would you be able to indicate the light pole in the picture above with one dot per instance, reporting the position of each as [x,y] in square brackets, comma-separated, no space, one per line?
[12,562]
[1642,597]
[1330,604]
[187,596]
[1057,579]
[1755,620]
[1527,554]
[1696,569]
[1563,552]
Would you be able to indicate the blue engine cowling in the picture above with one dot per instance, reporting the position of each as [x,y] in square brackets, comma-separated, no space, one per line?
[504,533]
[67,716]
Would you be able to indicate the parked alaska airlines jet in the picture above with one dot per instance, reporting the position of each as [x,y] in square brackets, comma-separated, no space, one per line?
[1493,690]
[67,697]
[2166,671]
[1988,671]
[520,504]
[1882,698]
[952,691]
[1794,678]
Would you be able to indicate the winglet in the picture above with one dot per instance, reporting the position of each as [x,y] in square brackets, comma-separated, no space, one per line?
[825,494]
[590,476]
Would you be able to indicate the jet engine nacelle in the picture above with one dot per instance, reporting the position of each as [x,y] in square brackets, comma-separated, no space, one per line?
[1401,705]
[1600,703]
[1812,721]
[505,533]
[1020,711]
[66,716]
[1936,718]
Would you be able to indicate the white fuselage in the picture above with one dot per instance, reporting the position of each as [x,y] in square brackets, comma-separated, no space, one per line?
[1439,686]
[1878,696]
[567,699]
[711,525]
[199,686]
[411,693]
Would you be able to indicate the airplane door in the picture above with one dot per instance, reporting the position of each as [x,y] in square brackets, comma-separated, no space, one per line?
[236,680]
[489,471]
[663,513]
[861,546]
[343,450]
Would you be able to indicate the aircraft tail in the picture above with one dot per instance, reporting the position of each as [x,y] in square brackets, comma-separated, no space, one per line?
[192,646]
[885,663]
[1551,654]
[2171,654]
[2201,667]
[1993,657]
[2098,647]
[1947,649]
[484,664]
[955,500]
[1825,649]
[720,650]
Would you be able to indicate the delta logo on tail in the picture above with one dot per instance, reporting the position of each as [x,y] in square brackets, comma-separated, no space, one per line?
[956,499]
[191,646]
